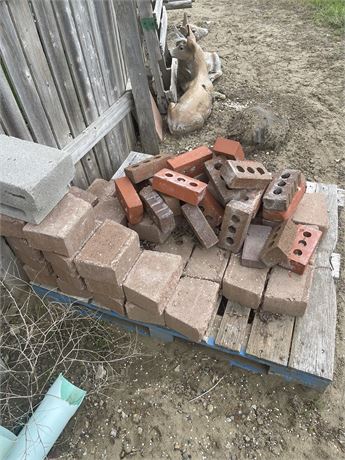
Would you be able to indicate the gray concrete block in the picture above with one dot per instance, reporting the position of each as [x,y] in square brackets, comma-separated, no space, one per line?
[33,178]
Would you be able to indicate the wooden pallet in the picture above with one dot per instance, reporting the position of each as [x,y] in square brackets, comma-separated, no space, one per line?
[297,349]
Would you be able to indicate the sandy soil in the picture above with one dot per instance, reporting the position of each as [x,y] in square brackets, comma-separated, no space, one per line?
[273,53]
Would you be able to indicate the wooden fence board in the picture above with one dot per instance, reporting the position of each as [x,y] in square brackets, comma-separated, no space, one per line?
[233,327]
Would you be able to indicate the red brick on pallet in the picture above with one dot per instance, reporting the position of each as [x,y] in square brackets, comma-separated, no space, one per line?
[191,163]
[279,216]
[244,285]
[245,174]
[303,247]
[278,245]
[282,189]
[102,188]
[312,210]
[44,275]
[200,226]
[27,255]
[236,220]
[253,245]
[287,293]
[145,169]
[129,200]
[231,149]
[152,280]
[145,316]
[9,226]
[116,305]
[157,209]
[65,229]
[84,195]
[192,307]
[149,231]
[211,209]
[110,208]
[207,264]
[179,186]
[107,289]
[109,254]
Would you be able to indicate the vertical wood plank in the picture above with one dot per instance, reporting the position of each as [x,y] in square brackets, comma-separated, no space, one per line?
[128,27]
[233,327]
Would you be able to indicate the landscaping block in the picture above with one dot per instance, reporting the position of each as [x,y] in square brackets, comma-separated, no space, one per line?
[27,255]
[107,289]
[11,227]
[102,188]
[116,305]
[146,316]
[254,243]
[84,195]
[110,208]
[207,264]
[149,231]
[181,245]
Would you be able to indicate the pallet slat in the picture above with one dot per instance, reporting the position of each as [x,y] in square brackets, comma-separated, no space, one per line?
[233,327]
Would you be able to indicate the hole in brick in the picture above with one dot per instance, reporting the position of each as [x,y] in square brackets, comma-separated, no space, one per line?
[277,191]
[235,219]
[240,169]
[251,170]
[285,175]
[229,240]
[135,166]
[227,187]
[297,252]
[180,179]
[155,158]
[232,229]
[202,209]
[281,183]
[222,306]
[209,219]
[193,184]
[307,234]
[302,242]
[246,198]
[251,316]
[271,244]
[217,166]
[169,174]
[147,161]
[260,170]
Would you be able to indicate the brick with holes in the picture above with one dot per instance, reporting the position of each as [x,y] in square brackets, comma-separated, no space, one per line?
[179,186]
[245,174]
[149,231]
[211,209]
[191,163]
[129,200]
[280,216]
[253,199]
[312,210]
[157,209]
[303,248]
[145,169]
[102,188]
[200,226]
[217,185]
[232,150]
[279,243]
[282,189]
[242,284]
[253,244]
[236,220]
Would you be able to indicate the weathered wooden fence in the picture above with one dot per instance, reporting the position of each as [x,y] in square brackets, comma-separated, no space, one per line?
[62,67]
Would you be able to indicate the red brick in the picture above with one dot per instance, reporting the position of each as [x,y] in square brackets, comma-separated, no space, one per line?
[191,163]
[109,254]
[211,209]
[145,169]
[287,293]
[245,174]
[229,148]
[278,245]
[207,264]
[200,226]
[192,307]
[9,226]
[244,285]
[43,276]
[84,195]
[282,189]
[217,185]
[312,210]
[102,188]
[179,186]
[109,302]
[180,245]
[253,245]
[62,266]
[129,200]
[65,229]
[74,287]
[152,280]
[157,209]
[107,289]
[236,220]
[110,208]
[149,231]
[145,316]
[27,255]
[280,216]
[303,248]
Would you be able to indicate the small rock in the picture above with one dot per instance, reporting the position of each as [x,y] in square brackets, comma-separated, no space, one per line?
[127,448]
[260,421]
[210,408]
[177,368]
[136,418]
[140,431]
[113,432]
[177,446]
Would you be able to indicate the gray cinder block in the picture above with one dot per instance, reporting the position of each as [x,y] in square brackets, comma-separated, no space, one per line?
[33,178]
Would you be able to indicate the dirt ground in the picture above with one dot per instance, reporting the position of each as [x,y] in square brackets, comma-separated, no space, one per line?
[273,53]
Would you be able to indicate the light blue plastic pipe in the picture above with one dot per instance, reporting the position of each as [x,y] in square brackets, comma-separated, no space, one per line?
[45,425]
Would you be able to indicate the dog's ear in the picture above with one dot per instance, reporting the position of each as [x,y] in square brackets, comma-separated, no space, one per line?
[190,35]
[185,20]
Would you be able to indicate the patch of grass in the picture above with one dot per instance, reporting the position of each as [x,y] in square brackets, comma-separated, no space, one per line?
[330,12]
